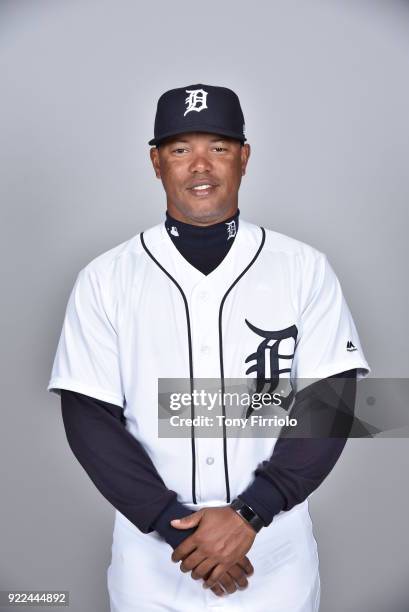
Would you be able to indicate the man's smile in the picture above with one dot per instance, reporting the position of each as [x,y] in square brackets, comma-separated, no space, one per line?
[202,188]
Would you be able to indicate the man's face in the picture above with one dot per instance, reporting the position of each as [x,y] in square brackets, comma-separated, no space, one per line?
[201,174]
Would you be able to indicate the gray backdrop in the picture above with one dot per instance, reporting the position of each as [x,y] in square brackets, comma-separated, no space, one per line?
[324,88]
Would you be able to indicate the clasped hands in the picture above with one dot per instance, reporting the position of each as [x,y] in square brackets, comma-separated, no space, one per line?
[216,551]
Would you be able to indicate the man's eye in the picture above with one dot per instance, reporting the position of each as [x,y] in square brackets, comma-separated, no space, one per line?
[219,149]
[179,150]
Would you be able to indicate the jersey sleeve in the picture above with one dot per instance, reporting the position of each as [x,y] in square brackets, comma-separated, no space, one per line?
[87,356]
[328,341]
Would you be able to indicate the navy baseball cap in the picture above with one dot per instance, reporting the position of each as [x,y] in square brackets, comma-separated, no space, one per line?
[198,108]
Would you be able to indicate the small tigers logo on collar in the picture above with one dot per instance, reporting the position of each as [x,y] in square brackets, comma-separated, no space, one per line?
[231,229]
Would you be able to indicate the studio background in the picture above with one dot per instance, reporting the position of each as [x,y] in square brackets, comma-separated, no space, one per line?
[324,90]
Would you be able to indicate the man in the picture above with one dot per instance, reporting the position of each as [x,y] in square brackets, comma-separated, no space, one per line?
[206,295]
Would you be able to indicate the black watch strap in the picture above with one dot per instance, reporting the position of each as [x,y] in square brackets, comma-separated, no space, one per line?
[247,514]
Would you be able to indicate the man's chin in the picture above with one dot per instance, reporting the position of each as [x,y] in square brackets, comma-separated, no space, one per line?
[205,213]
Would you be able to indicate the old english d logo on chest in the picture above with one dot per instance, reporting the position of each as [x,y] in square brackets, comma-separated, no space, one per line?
[267,356]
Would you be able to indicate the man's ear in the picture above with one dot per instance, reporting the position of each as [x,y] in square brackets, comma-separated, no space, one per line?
[154,153]
[245,154]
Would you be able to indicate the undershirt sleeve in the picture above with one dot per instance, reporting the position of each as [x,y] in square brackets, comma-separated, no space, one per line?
[298,465]
[119,466]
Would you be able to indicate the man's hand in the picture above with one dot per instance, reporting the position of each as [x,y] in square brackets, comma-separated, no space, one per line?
[221,540]
[235,578]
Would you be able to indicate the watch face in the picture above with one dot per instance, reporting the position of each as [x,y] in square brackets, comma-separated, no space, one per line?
[247,513]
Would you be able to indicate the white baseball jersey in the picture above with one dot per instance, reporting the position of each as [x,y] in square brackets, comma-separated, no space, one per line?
[140,312]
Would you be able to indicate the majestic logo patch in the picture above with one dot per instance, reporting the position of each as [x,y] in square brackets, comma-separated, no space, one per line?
[351,347]
[174,231]
[231,229]
[195,101]
[267,358]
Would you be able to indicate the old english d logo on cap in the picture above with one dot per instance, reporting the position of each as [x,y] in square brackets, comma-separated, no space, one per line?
[198,108]
[196,100]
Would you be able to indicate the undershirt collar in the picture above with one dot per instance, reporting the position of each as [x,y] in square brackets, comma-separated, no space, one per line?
[203,247]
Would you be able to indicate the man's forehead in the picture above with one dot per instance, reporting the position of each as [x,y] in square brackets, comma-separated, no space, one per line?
[188,137]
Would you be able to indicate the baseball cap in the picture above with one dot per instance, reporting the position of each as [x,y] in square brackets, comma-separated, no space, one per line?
[198,108]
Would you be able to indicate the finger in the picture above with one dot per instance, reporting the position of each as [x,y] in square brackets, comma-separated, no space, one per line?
[217,590]
[187,522]
[228,583]
[191,561]
[215,575]
[203,569]
[245,563]
[239,576]
[184,549]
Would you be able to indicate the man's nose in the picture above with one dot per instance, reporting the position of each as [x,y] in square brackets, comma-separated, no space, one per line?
[200,163]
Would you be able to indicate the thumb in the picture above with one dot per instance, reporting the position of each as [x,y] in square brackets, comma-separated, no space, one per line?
[188,521]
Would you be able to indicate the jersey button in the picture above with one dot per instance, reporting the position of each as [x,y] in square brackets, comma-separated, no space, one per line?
[210,460]
[205,349]
[203,295]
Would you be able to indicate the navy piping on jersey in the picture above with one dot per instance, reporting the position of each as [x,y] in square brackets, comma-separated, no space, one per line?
[189,338]
[189,335]
[246,269]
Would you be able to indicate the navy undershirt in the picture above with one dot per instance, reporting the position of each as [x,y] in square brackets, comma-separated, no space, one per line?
[203,247]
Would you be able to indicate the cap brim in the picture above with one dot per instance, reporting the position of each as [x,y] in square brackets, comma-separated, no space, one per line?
[205,129]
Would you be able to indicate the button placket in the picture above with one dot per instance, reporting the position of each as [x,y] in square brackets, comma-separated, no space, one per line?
[211,461]
[204,312]
[204,322]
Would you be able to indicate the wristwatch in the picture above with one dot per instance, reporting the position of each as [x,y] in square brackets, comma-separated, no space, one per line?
[248,514]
